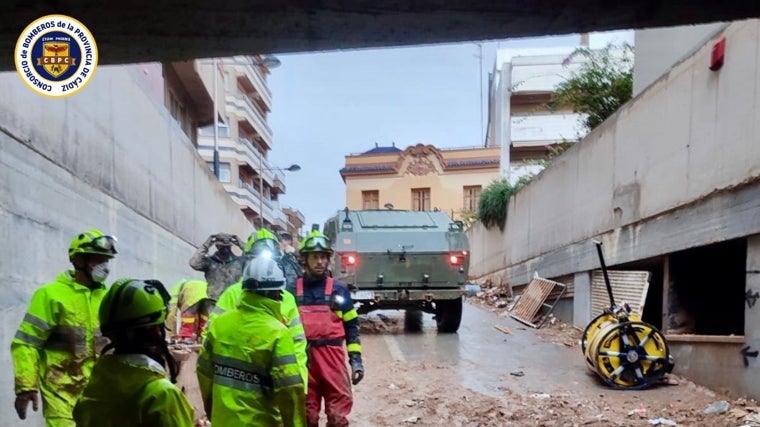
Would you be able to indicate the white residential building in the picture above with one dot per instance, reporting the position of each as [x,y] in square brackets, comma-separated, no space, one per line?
[243,140]
[519,119]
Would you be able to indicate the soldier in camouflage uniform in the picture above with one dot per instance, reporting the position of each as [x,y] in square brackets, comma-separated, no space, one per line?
[223,268]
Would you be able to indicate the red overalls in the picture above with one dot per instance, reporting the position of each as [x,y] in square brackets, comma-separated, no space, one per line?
[328,374]
[192,325]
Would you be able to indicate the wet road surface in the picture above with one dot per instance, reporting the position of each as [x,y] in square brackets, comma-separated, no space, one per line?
[482,356]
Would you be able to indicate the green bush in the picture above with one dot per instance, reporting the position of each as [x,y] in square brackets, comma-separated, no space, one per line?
[492,206]
[602,85]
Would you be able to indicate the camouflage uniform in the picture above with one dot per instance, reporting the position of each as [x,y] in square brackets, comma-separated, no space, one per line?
[292,269]
[219,273]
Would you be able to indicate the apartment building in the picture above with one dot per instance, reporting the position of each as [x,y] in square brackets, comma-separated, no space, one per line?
[239,140]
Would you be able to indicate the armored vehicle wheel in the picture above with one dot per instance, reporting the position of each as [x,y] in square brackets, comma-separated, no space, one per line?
[448,315]
[413,320]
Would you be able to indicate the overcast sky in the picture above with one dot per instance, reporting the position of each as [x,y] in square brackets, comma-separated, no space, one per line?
[329,105]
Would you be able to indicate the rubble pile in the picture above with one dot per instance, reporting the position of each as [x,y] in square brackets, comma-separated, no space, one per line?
[378,324]
[493,293]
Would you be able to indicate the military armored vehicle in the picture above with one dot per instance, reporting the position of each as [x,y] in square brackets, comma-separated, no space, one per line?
[403,260]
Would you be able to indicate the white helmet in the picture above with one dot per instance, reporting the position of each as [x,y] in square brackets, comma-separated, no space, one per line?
[263,274]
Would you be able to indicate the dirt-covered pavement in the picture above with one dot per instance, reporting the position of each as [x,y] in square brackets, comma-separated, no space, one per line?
[519,377]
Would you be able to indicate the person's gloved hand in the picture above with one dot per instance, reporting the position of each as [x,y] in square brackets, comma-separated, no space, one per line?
[22,402]
[210,241]
[357,369]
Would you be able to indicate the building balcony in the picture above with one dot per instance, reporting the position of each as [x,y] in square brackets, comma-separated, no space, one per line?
[247,197]
[542,73]
[242,106]
[233,151]
[253,78]
[280,222]
[278,183]
[274,178]
[296,220]
[243,152]
[544,129]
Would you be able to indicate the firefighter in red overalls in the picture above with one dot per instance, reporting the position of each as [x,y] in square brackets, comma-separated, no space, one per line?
[188,310]
[330,322]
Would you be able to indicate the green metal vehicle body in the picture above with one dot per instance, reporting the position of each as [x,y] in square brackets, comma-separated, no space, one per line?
[405,260]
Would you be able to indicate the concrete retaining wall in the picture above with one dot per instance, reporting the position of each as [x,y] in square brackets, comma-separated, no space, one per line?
[108,157]
[677,167]
[690,138]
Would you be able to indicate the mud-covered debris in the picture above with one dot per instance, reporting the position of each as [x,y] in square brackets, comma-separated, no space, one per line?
[662,422]
[378,324]
[540,396]
[718,407]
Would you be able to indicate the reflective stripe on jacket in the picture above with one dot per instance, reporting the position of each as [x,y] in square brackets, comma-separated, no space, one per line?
[230,299]
[131,390]
[184,296]
[57,343]
[248,370]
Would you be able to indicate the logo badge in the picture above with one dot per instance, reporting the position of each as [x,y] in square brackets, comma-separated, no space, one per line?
[56,56]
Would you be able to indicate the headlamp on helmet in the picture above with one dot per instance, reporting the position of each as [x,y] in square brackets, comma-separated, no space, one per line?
[264,243]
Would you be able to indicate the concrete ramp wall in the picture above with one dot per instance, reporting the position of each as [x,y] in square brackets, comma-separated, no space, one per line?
[109,157]
[690,141]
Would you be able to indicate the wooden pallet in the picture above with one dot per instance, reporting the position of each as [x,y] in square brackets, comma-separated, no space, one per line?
[528,308]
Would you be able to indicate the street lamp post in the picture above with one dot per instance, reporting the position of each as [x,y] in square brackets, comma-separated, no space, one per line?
[269,61]
[216,124]
[292,168]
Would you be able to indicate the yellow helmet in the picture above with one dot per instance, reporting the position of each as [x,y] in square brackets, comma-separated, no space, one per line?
[316,241]
[132,303]
[263,242]
[93,241]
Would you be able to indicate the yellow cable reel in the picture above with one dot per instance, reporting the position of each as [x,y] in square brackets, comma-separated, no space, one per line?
[626,352]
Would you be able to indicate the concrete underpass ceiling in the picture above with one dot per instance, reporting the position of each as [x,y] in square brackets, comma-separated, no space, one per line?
[166,30]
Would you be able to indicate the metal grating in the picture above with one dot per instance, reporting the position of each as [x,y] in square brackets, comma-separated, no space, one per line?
[627,286]
[528,307]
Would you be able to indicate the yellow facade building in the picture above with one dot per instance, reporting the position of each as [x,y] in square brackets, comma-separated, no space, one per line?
[420,177]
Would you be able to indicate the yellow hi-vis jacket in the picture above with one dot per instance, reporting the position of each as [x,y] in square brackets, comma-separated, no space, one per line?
[184,296]
[247,369]
[131,390]
[230,299]
[54,349]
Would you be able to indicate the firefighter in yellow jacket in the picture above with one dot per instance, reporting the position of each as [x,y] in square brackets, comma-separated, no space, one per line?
[129,388]
[54,349]
[264,243]
[247,368]
[188,310]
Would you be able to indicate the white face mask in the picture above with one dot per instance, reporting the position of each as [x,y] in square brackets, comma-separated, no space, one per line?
[100,272]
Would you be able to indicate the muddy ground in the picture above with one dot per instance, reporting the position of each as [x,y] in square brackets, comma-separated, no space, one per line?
[429,393]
